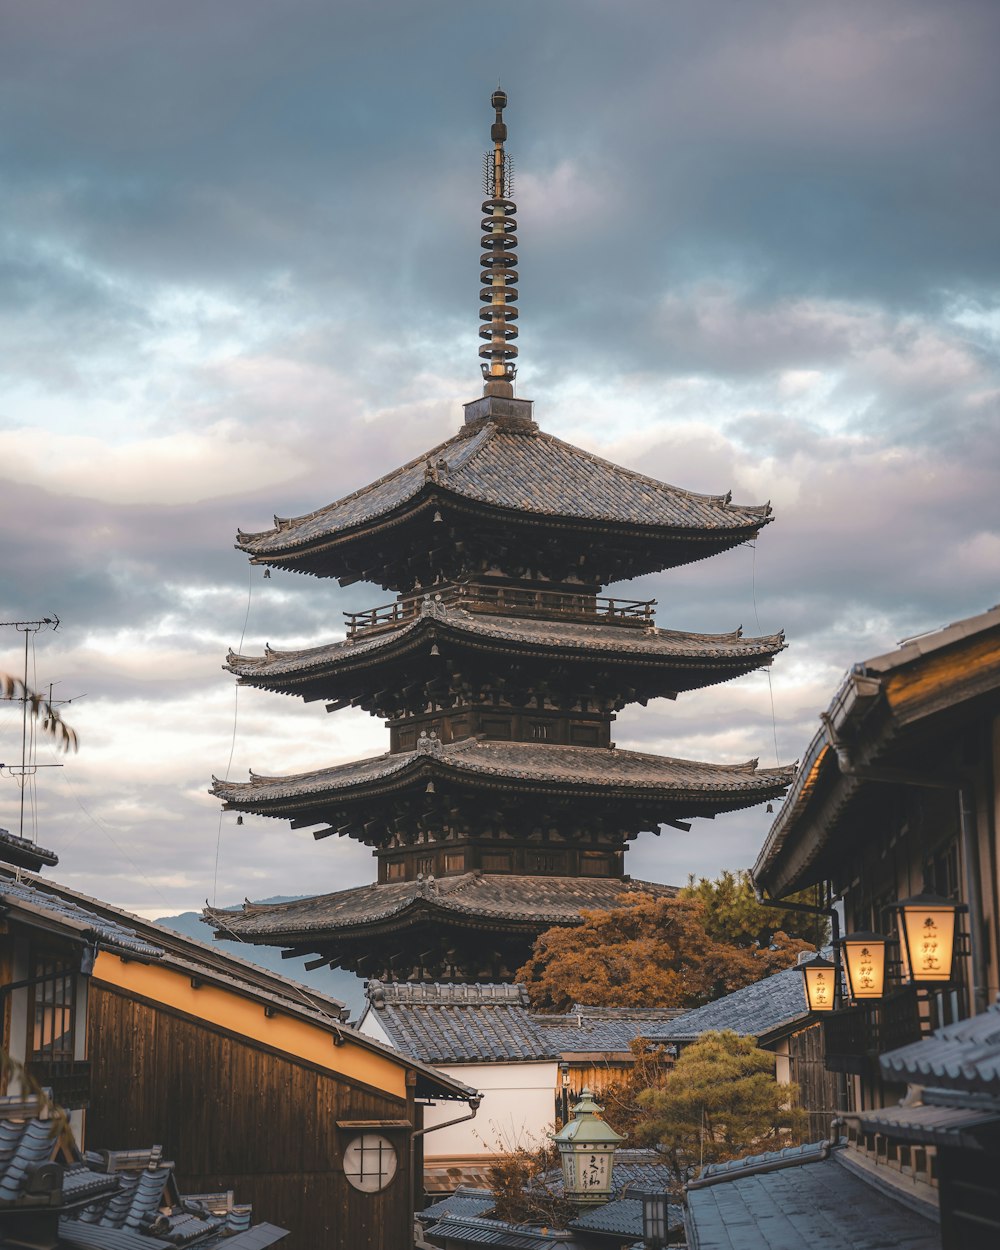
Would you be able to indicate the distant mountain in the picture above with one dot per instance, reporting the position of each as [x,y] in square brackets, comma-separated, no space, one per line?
[337,983]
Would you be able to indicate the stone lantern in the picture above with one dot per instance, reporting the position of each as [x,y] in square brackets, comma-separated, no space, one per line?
[586,1148]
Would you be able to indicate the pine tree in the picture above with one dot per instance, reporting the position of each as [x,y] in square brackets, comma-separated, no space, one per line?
[720,1102]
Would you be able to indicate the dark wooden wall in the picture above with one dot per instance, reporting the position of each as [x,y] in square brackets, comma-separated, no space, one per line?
[233,1115]
[818,1089]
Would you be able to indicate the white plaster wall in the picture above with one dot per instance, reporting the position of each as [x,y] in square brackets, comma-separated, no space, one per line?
[517,1109]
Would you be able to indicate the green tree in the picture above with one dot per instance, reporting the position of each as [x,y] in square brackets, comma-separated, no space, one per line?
[732,913]
[720,1102]
[656,952]
[651,1067]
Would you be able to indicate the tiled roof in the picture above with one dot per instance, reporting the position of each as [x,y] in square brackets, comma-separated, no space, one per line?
[622,1215]
[484,1023]
[498,1033]
[24,853]
[464,1201]
[721,651]
[396,993]
[118,1200]
[756,1010]
[571,1033]
[521,470]
[24,1144]
[772,1160]
[106,933]
[473,895]
[963,1056]
[936,1121]
[469,1230]
[476,760]
[816,1203]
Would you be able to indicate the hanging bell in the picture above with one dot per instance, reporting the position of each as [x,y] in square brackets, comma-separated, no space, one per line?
[239,820]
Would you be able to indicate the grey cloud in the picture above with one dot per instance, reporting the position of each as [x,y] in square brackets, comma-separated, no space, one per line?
[309,173]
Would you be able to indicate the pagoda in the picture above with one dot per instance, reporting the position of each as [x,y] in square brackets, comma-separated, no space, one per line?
[503,805]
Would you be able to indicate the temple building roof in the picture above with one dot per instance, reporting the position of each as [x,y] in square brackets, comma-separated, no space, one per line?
[473,900]
[515,468]
[707,658]
[691,786]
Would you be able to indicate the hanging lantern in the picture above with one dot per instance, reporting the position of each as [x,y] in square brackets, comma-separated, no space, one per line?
[586,1148]
[927,925]
[864,959]
[821,983]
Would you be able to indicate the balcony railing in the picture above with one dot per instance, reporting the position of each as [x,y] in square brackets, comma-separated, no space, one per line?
[854,1038]
[69,1080]
[510,601]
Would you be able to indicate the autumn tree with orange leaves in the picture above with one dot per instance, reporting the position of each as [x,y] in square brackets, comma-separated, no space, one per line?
[653,952]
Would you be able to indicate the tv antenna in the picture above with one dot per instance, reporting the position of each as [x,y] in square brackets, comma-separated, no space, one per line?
[28,766]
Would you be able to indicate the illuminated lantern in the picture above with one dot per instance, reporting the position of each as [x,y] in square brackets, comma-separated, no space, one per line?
[821,983]
[864,958]
[587,1150]
[927,925]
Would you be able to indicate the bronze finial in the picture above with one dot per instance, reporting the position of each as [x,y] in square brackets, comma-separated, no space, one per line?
[498,296]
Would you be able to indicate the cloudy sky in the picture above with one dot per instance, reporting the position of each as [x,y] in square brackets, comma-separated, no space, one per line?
[239,244]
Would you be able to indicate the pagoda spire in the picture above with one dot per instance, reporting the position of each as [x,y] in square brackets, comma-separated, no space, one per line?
[498,295]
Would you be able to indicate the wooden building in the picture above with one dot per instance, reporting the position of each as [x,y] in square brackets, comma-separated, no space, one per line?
[898,797]
[503,805]
[248,1081]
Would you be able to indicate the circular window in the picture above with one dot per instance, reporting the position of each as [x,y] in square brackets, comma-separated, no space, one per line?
[370,1162]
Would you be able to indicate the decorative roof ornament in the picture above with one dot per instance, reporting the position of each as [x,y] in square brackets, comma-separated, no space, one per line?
[498,295]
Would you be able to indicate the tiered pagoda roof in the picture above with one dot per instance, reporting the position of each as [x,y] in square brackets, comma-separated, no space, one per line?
[506,482]
[380,652]
[673,787]
[503,806]
[478,924]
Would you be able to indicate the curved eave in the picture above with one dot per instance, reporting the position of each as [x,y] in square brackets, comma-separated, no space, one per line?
[721,658]
[719,788]
[295,555]
[517,471]
[389,908]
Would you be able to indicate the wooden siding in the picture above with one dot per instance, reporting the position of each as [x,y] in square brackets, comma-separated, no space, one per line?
[233,1115]
[818,1089]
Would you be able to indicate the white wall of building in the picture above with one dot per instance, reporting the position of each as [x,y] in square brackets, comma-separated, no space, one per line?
[517,1109]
